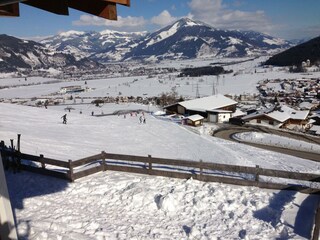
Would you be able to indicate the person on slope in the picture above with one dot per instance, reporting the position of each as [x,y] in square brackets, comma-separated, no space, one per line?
[64,119]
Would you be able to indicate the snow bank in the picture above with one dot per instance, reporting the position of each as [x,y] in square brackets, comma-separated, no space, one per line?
[112,205]
[277,141]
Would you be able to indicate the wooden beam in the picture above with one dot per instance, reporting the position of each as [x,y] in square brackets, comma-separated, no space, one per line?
[8,2]
[11,10]
[57,6]
[122,2]
[98,8]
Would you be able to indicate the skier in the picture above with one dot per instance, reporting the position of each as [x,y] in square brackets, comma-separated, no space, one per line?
[64,119]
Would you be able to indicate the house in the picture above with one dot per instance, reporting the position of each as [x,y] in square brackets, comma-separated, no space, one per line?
[285,117]
[215,108]
[194,120]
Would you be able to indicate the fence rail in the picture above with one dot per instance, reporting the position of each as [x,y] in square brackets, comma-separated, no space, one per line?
[203,171]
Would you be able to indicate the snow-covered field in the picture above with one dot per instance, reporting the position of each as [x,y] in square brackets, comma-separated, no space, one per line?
[242,80]
[112,205]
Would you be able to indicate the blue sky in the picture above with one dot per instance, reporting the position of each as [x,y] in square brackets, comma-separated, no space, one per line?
[289,19]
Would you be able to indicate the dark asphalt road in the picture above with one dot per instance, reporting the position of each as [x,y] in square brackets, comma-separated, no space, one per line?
[228,130]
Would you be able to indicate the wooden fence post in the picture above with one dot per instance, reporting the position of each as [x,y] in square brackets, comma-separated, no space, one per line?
[150,164]
[104,166]
[18,142]
[70,171]
[257,174]
[12,146]
[43,165]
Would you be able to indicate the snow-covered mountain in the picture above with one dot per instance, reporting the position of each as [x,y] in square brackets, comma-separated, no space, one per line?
[18,54]
[103,46]
[183,39]
[187,38]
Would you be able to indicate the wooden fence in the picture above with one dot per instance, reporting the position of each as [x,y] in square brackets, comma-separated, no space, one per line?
[203,171]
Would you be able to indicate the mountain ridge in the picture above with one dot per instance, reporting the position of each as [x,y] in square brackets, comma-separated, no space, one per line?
[16,54]
[183,39]
[309,50]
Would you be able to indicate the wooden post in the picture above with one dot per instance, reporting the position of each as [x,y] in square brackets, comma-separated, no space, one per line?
[12,146]
[316,230]
[150,164]
[257,174]
[43,165]
[18,157]
[18,142]
[104,167]
[70,171]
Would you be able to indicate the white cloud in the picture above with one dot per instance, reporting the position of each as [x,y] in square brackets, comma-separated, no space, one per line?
[218,15]
[163,19]
[128,23]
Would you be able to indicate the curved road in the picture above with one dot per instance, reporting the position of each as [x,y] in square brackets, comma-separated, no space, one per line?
[228,130]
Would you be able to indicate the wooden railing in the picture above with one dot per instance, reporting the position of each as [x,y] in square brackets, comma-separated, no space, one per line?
[203,171]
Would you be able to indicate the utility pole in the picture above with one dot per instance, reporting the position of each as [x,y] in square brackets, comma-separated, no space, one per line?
[197,92]
[213,88]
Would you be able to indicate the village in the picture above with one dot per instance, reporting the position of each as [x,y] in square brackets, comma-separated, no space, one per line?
[291,104]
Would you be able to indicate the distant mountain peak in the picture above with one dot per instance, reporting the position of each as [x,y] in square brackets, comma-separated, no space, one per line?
[185,38]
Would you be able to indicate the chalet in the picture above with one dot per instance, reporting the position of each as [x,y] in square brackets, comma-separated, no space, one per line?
[284,118]
[194,120]
[216,108]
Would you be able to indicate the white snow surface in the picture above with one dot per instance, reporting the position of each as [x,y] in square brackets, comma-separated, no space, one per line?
[274,41]
[278,141]
[164,34]
[111,205]
[124,206]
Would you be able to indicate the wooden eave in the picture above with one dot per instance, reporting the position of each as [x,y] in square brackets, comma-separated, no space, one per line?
[102,8]
[10,10]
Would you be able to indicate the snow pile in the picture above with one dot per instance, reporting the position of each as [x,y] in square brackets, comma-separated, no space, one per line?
[112,205]
[277,141]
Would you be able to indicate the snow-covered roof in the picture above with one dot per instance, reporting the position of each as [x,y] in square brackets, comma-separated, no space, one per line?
[279,116]
[306,105]
[208,103]
[294,114]
[195,117]
[288,113]
[238,113]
